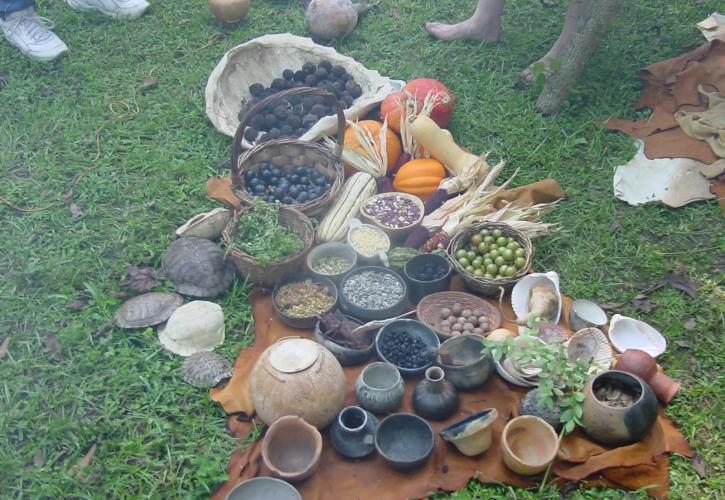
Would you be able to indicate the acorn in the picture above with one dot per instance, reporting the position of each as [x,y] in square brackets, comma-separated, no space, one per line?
[299,132]
[321,73]
[326,65]
[319,110]
[281,112]
[310,80]
[274,133]
[288,74]
[229,11]
[256,89]
[250,133]
[257,122]
[355,90]
[309,68]
[270,120]
[300,76]
[279,84]
[338,70]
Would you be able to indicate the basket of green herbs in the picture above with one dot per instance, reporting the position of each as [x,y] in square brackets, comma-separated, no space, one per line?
[266,241]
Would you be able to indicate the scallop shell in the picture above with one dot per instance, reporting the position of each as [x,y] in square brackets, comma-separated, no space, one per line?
[194,327]
[262,59]
[209,225]
[520,292]
[205,369]
[198,267]
[147,310]
[629,333]
[591,343]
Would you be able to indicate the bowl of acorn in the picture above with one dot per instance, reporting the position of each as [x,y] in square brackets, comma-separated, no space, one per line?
[451,314]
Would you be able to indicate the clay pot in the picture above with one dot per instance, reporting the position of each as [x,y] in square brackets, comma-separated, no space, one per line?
[461,358]
[291,448]
[353,432]
[472,435]
[529,405]
[379,388]
[644,366]
[404,441]
[528,445]
[300,377]
[263,487]
[435,398]
[618,425]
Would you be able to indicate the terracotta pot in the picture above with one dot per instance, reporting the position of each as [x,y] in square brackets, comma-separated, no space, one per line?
[472,435]
[297,376]
[291,448]
[643,365]
[435,398]
[618,425]
[528,445]
[379,388]
[263,487]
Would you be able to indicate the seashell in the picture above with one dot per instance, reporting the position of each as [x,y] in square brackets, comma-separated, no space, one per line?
[194,327]
[205,369]
[147,310]
[521,293]
[198,267]
[629,333]
[590,344]
[584,314]
[508,377]
[209,225]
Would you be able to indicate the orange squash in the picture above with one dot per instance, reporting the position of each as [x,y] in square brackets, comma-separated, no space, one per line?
[392,108]
[393,148]
[420,177]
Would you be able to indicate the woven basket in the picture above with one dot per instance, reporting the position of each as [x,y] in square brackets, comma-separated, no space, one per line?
[484,286]
[290,153]
[430,306]
[267,276]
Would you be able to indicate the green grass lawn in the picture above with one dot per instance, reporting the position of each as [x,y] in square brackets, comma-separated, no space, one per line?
[158,437]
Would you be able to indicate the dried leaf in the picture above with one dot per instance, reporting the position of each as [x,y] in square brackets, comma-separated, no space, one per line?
[104,329]
[75,210]
[149,82]
[85,461]
[39,458]
[4,347]
[699,465]
[77,304]
[615,226]
[643,303]
[183,21]
[52,347]
[679,279]
[140,279]
[609,305]
[690,324]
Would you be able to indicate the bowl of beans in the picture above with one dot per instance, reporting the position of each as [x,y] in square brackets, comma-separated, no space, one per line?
[407,344]
[332,260]
[369,242]
[371,293]
[298,299]
[397,214]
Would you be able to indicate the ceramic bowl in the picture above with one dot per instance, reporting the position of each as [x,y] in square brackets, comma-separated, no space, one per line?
[366,315]
[345,355]
[263,487]
[461,358]
[586,314]
[291,448]
[471,435]
[331,249]
[528,445]
[415,329]
[629,333]
[309,321]
[404,441]
[522,289]
[368,259]
[429,309]
[399,233]
[419,288]
[379,388]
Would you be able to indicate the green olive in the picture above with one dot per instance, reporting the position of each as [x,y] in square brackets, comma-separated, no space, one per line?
[488,276]
[499,261]
[502,242]
[513,245]
[470,269]
[463,261]
[492,246]
[492,268]
[487,261]
[510,271]
[489,239]
[477,262]
[496,233]
[483,247]
[470,255]
[460,253]
[520,252]
[478,273]
[493,254]
[484,232]
[508,254]
[519,262]
[476,239]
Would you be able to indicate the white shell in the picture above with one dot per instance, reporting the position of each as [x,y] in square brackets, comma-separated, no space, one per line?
[262,59]
[520,292]
[194,327]
[591,343]
[209,225]
[629,333]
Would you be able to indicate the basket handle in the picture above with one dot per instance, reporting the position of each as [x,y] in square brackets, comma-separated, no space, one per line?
[260,105]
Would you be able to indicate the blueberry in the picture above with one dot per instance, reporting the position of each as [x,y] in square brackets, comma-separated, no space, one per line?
[259,189]
[304,180]
[302,197]
[294,190]
[288,201]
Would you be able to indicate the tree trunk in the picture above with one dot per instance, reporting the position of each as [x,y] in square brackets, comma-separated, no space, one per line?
[590,27]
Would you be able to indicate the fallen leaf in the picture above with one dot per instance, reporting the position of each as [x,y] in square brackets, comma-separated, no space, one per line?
[77,305]
[615,226]
[141,279]
[183,21]
[683,343]
[75,210]
[85,461]
[609,305]
[644,303]
[149,82]
[699,465]
[690,324]
[4,347]
[39,459]
[679,279]
[104,329]
[52,347]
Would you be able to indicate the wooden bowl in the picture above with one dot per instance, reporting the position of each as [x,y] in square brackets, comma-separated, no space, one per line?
[429,310]
[395,233]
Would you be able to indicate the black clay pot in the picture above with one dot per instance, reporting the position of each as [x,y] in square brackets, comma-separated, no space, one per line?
[530,406]
[435,398]
[353,432]
[417,288]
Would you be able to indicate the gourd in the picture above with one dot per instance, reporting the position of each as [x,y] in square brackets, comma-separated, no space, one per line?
[229,11]
[392,108]
[441,145]
[443,104]
[393,147]
[357,189]
[420,177]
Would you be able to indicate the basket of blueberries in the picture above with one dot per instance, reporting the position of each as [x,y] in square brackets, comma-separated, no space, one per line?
[304,175]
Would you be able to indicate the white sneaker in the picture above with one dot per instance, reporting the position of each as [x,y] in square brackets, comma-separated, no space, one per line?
[31,34]
[123,9]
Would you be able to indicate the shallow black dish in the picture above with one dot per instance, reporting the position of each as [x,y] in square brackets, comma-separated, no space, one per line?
[404,441]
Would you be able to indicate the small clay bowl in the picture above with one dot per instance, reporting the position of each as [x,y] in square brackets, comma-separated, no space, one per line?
[345,355]
[310,321]
[291,448]
[331,249]
[379,388]
[419,288]
[405,441]
[528,445]
[471,435]
[461,358]
[263,487]
[415,329]
[399,233]
[586,314]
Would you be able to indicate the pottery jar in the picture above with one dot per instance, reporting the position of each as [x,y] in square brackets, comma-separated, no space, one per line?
[435,398]
[380,388]
[471,435]
[463,362]
[530,405]
[528,445]
[353,432]
[263,487]
[300,377]
[643,365]
[614,425]
[291,448]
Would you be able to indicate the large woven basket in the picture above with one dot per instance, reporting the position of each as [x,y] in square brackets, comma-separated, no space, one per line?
[267,276]
[485,286]
[290,153]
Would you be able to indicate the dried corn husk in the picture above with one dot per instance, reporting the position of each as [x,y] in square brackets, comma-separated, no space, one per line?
[374,162]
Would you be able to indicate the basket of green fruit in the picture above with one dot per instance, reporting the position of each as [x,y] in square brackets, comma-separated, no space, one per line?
[303,175]
[267,241]
[490,256]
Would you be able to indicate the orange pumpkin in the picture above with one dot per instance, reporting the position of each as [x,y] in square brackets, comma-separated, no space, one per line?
[420,177]
[391,108]
[393,148]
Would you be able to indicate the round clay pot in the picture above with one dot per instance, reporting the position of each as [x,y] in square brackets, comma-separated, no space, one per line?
[618,425]
[353,432]
[379,388]
[528,445]
[300,377]
[643,365]
[464,363]
[472,435]
[435,398]
[291,448]
[529,405]
[263,487]
[404,441]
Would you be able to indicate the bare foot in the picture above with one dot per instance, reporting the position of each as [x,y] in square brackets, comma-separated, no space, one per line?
[470,29]
[529,73]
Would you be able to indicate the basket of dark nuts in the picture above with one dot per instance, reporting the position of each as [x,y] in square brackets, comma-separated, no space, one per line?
[304,175]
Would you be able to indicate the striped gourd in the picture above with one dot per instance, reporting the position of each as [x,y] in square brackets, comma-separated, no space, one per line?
[357,189]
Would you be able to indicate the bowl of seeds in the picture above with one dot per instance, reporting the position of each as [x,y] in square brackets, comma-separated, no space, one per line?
[299,299]
[407,344]
[372,293]
[369,242]
[398,214]
[332,260]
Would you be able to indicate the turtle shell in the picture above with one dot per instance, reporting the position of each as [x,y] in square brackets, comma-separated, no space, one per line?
[198,267]
[205,369]
[147,309]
